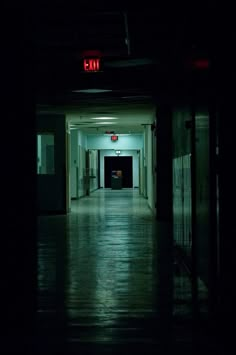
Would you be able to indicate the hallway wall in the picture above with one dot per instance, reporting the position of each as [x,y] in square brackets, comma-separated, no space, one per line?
[134,141]
[182,213]
[182,191]
[94,170]
[182,209]
[202,177]
[150,168]
[77,153]
[141,172]
[74,163]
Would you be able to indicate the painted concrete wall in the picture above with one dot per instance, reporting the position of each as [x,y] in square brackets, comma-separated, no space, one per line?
[74,163]
[141,172]
[182,190]
[150,182]
[81,171]
[94,170]
[125,142]
[78,146]
[149,167]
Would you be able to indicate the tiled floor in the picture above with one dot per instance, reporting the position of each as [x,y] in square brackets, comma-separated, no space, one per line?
[105,275]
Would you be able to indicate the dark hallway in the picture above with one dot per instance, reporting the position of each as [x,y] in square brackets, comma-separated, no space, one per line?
[105,282]
[106,278]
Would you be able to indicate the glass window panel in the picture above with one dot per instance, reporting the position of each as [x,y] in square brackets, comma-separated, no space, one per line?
[45,154]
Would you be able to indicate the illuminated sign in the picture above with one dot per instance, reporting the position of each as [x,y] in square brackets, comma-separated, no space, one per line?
[92,64]
[201,63]
[114,138]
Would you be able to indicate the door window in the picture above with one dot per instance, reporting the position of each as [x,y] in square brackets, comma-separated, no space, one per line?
[45,154]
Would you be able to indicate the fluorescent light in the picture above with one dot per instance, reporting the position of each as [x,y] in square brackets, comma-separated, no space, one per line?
[92,91]
[107,123]
[104,118]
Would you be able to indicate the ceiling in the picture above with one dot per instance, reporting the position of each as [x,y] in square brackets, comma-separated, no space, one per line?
[142,51]
[95,115]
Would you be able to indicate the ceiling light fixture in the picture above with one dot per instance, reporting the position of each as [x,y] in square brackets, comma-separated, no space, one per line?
[92,91]
[104,118]
[105,123]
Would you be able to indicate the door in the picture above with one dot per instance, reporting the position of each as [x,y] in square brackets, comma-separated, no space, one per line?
[125,164]
[51,164]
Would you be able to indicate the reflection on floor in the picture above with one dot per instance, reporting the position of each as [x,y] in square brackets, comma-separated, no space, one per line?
[105,275]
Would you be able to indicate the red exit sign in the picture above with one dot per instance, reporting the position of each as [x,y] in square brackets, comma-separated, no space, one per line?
[114,138]
[92,64]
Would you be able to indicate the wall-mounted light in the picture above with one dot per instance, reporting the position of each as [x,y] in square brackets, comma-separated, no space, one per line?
[117,152]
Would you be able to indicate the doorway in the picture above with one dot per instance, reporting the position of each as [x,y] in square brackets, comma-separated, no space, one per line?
[125,164]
